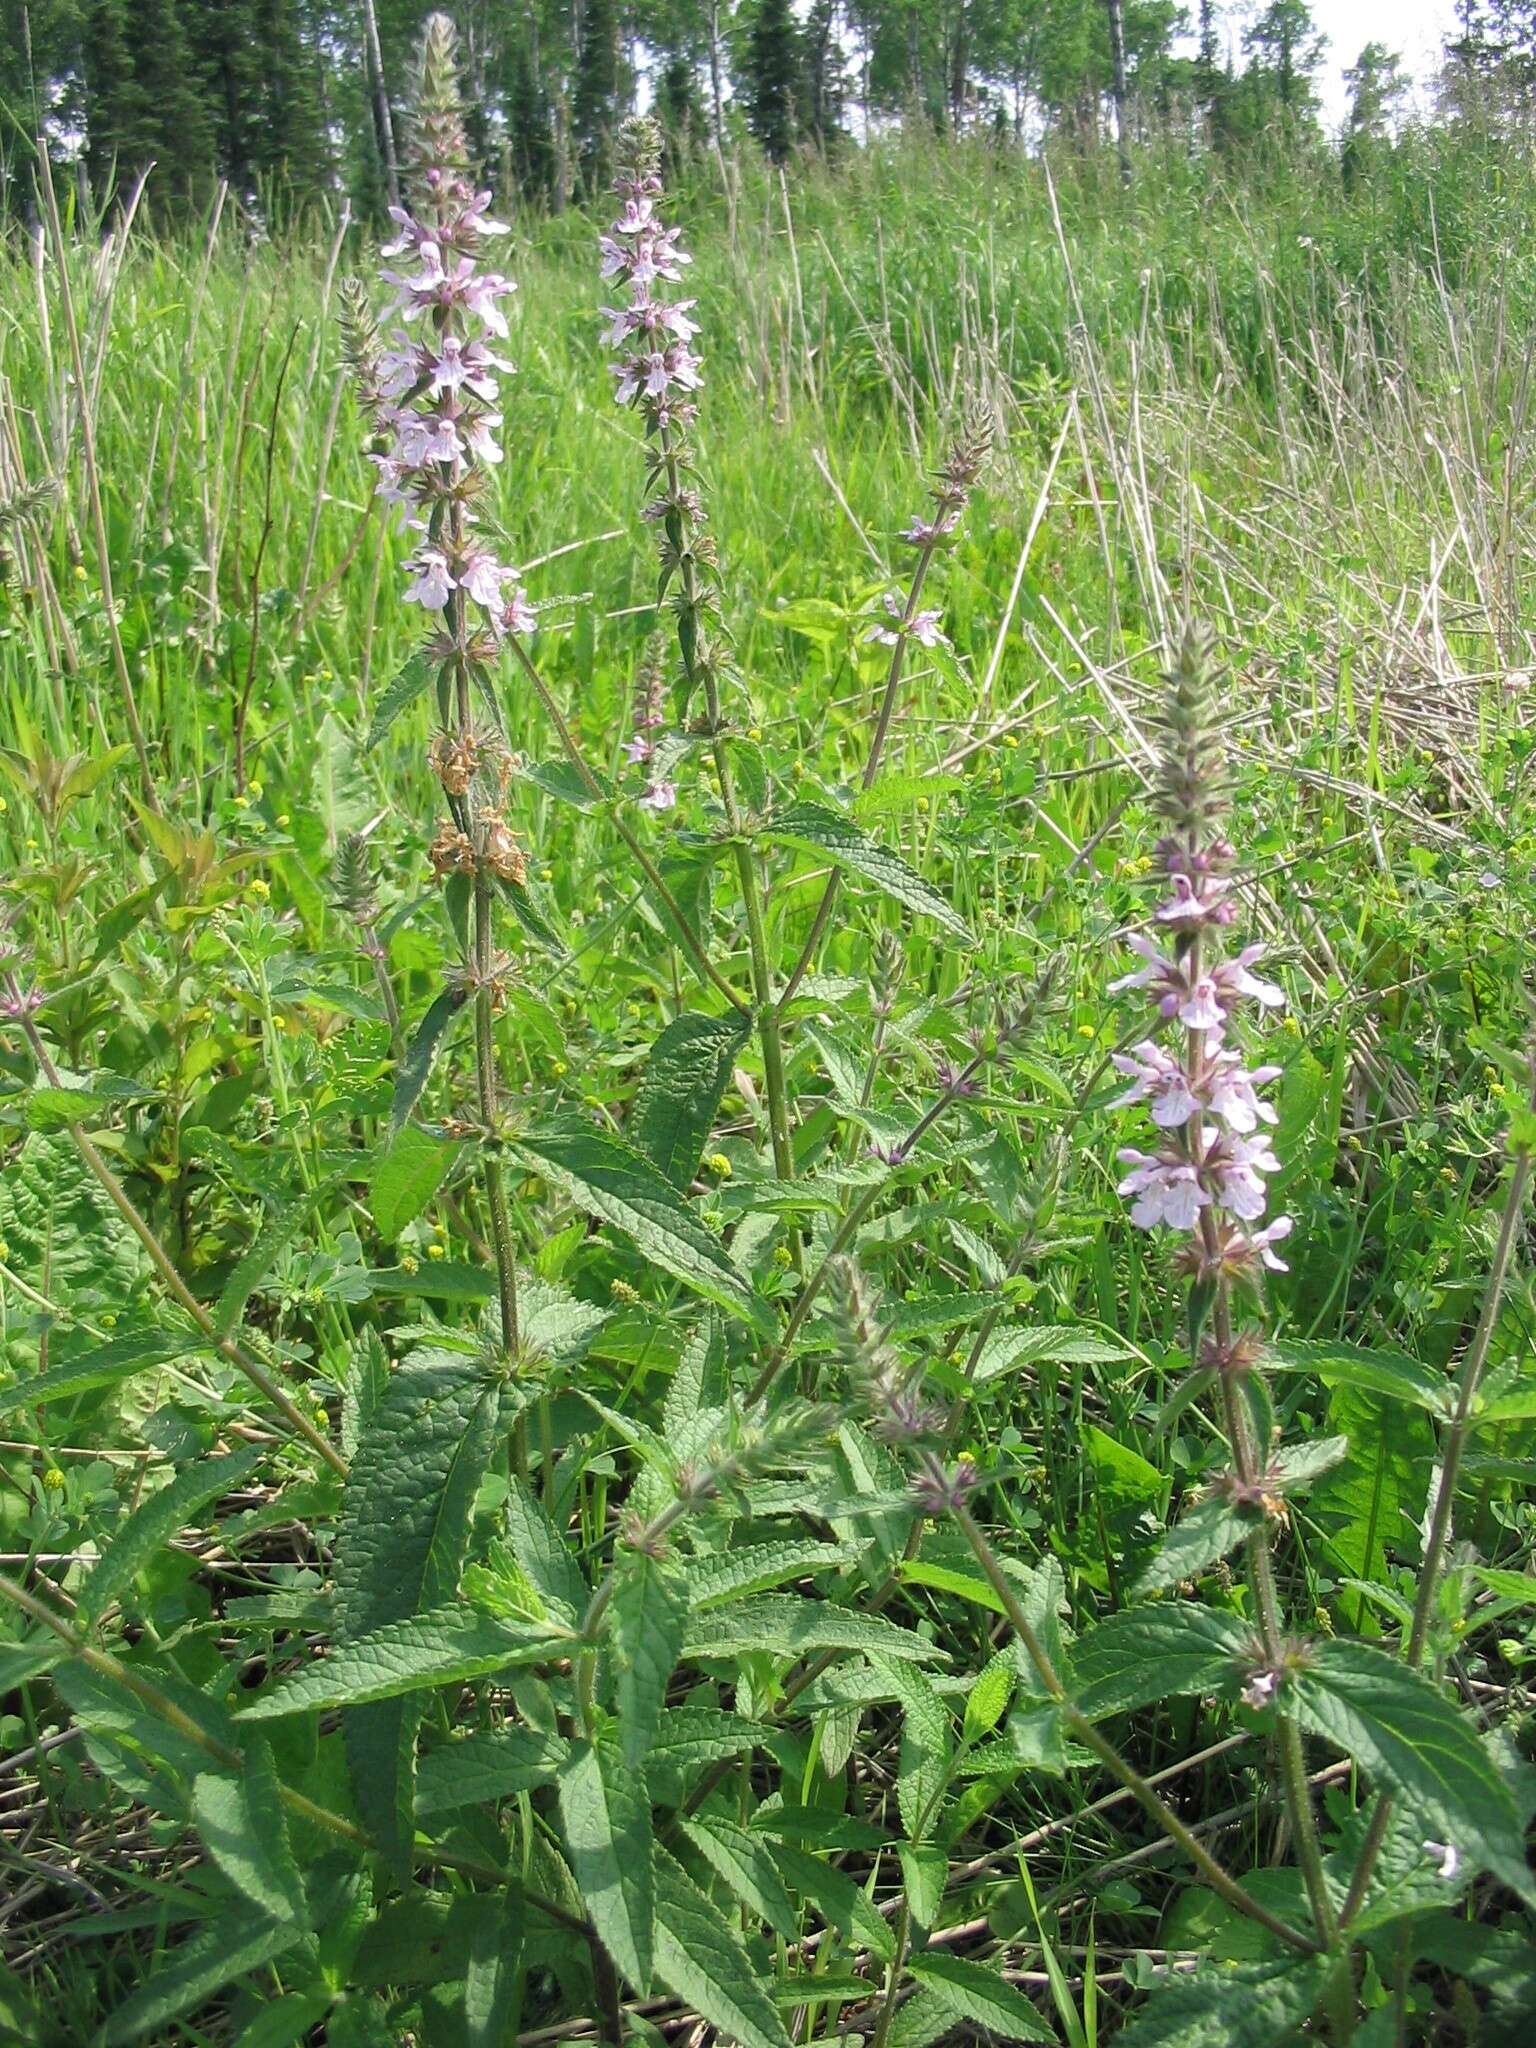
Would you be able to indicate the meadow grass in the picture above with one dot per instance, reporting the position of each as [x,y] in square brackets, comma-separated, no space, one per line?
[1303,416]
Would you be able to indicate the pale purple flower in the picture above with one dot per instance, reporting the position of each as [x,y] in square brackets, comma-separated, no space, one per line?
[480,576]
[1200,1001]
[1230,1091]
[924,627]
[517,615]
[479,437]
[924,532]
[1158,1080]
[1196,901]
[1236,1166]
[1233,981]
[1263,1242]
[431,584]
[1166,1189]
[412,235]
[658,796]
[475,220]
[1445,1856]
[465,365]
[421,438]
[638,748]
[1260,1689]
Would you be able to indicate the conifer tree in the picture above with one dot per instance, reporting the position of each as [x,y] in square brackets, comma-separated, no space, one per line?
[595,93]
[773,78]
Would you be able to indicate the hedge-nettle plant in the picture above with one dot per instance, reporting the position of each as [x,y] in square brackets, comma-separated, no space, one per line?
[755,1683]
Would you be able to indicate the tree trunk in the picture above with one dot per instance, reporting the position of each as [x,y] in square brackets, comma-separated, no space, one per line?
[382,121]
[1116,11]
[716,92]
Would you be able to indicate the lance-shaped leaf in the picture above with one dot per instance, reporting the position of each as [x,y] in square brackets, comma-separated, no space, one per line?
[605,1815]
[410,682]
[101,1367]
[406,1175]
[155,1521]
[446,1647]
[820,830]
[1415,1744]
[1157,1652]
[699,1957]
[415,1068]
[972,1992]
[241,1820]
[646,1621]
[400,1549]
[680,1090]
[611,1180]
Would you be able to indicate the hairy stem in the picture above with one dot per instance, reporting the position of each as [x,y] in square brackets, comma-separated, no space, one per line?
[1084,1731]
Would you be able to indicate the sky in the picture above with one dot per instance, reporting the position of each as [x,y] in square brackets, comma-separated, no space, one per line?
[1415,29]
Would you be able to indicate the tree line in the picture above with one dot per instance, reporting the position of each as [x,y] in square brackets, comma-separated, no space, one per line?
[288,100]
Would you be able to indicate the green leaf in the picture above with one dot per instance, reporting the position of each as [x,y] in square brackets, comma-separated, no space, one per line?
[406,1175]
[781,1625]
[478,1769]
[820,830]
[547,1560]
[679,1093]
[285,2022]
[1204,1535]
[492,1975]
[693,1736]
[924,1752]
[193,1970]
[1165,1651]
[272,1240]
[745,1863]
[1373,1502]
[646,1621]
[400,1549]
[979,1995]
[1416,1745]
[924,1877]
[1248,2006]
[152,1525]
[1392,1374]
[415,1068]
[104,1367]
[833,1894]
[245,1830]
[611,1180]
[699,1959]
[447,1647]
[410,682]
[605,1816]
[986,1701]
[733,1574]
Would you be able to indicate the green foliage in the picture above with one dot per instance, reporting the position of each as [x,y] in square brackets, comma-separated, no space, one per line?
[598,1680]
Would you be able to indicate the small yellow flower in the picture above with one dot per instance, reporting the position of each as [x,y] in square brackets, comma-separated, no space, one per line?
[436,1251]
[1289,1024]
[783,1258]
[53,1479]
[922,803]
[260,889]
[623,1292]
[79,572]
[754,732]
[1087,1031]
[1010,739]
[282,821]
[241,803]
[719,1165]
[559,1067]
[256,789]
[1448,1175]
[409,1263]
